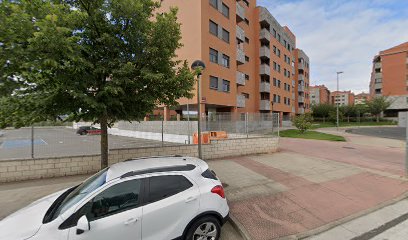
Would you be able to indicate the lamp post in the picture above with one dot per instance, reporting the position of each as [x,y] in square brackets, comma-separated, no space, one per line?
[337,103]
[198,64]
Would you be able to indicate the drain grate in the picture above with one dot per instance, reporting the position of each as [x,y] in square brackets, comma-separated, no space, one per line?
[348,147]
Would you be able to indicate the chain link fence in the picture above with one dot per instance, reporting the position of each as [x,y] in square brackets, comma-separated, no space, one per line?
[68,140]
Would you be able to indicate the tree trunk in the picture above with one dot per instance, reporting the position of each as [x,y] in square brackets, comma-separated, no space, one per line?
[378,117]
[104,142]
[348,119]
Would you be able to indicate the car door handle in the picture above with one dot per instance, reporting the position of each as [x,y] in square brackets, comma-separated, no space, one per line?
[130,221]
[190,199]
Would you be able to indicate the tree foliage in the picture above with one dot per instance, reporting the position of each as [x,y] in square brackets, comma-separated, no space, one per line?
[93,60]
[303,122]
[322,110]
[378,105]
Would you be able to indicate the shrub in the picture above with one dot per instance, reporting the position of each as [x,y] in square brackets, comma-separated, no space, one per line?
[303,122]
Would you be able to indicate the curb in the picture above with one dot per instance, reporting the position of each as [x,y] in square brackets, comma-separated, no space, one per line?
[238,226]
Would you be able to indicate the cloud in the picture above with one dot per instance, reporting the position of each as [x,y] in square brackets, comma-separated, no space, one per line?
[343,35]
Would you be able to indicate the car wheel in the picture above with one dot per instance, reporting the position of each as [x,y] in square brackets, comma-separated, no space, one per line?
[206,228]
[83,133]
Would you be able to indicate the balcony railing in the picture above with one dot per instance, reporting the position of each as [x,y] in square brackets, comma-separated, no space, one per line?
[240,78]
[240,101]
[240,13]
[265,52]
[265,87]
[301,65]
[301,77]
[265,35]
[301,88]
[240,56]
[377,65]
[301,110]
[265,70]
[240,33]
[301,99]
[378,75]
[265,105]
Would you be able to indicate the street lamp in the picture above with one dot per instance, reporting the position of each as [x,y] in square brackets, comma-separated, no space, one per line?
[198,64]
[337,103]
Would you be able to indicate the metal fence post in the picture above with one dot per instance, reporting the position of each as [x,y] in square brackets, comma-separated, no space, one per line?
[162,131]
[32,141]
[246,124]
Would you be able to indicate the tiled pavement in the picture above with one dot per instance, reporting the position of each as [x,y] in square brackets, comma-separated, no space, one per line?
[309,184]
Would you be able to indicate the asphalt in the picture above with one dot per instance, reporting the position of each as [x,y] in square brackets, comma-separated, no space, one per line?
[61,141]
[398,133]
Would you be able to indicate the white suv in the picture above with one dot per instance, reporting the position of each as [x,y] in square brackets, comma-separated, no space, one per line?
[157,198]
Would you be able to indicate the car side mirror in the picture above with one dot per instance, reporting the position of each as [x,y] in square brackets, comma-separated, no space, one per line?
[82,225]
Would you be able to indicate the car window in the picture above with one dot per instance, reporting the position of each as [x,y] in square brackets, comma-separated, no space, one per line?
[161,187]
[118,198]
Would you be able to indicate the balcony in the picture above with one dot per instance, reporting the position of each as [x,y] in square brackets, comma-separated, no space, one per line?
[301,99]
[240,13]
[377,85]
[265,70]
[301,110]
[240,101]
[301,88]
[265,87]
[240,78]
[265,35]
[301,65]
[240,34]
[240,56]
[377,65]
[378,75]
[265,52]
[265,105]
[301,77]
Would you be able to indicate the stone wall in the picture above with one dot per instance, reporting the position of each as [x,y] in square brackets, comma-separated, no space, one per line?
[26,169]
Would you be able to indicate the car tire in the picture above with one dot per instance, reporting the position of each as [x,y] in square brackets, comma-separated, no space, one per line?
[83,133]
[207,226]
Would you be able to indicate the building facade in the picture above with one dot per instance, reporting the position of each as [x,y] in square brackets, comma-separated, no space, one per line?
[389,77]
[251,60]
[361,98]
[342,98]
[319,95]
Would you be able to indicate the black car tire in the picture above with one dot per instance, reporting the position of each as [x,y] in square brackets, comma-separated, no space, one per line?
[212,221]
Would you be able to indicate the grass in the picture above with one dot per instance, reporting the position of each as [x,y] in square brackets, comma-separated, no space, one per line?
[351,124]
[294,133]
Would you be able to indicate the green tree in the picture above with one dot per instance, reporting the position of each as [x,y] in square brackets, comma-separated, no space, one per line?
[303,122]
[322,110]
[348,111]
[378,105]
[333,116]
[95,60]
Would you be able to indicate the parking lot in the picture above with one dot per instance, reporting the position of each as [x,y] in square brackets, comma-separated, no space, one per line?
[61,141]
[383,132]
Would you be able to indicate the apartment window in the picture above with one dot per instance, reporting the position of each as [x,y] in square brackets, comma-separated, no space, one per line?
[265,96]
[288,74]
[225,10]
[274,33]
[246,95]
[246,59]
[279,38]
[247,77]
[214,3]
[275,82]
[247,40]
[275,66]
[246,21]
[225,61]
[285,72]
[284,43]
[279,83]
[289,47]
[225,35]
[213,82]
[213,55]
[279,68]
[225,85]
[279,53]
[213,28]
[275,99]
[274,49]
[378,91]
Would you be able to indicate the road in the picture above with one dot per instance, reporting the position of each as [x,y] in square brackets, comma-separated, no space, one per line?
[61,141]
[383,132]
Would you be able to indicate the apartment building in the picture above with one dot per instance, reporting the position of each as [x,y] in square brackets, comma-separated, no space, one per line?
[389,77]
[251,60]
[342,98]
[361,98]
[319,95]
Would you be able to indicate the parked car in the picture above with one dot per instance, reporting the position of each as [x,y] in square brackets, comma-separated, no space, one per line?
[156,198]
[84,130]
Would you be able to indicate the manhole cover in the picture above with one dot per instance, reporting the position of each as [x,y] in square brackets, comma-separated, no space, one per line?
[349,147]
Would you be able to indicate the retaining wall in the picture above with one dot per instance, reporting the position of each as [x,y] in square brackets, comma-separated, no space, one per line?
[25,169]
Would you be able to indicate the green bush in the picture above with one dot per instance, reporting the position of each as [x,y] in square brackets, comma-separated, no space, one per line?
[303,122]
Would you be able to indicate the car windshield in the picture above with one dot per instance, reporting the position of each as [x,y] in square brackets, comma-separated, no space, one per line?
[82,191]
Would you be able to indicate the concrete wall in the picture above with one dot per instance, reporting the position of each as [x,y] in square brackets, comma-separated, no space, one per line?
[25,169]
[402,119]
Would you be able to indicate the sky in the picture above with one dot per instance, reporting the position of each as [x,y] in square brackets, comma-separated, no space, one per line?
[342,35]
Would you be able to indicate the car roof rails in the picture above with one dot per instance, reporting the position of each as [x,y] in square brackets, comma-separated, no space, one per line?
[139,158]
[179,168]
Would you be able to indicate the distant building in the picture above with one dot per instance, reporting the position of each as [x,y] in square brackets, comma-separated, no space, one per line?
[319,95]
[361,98]
[389,78]
[342,98]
